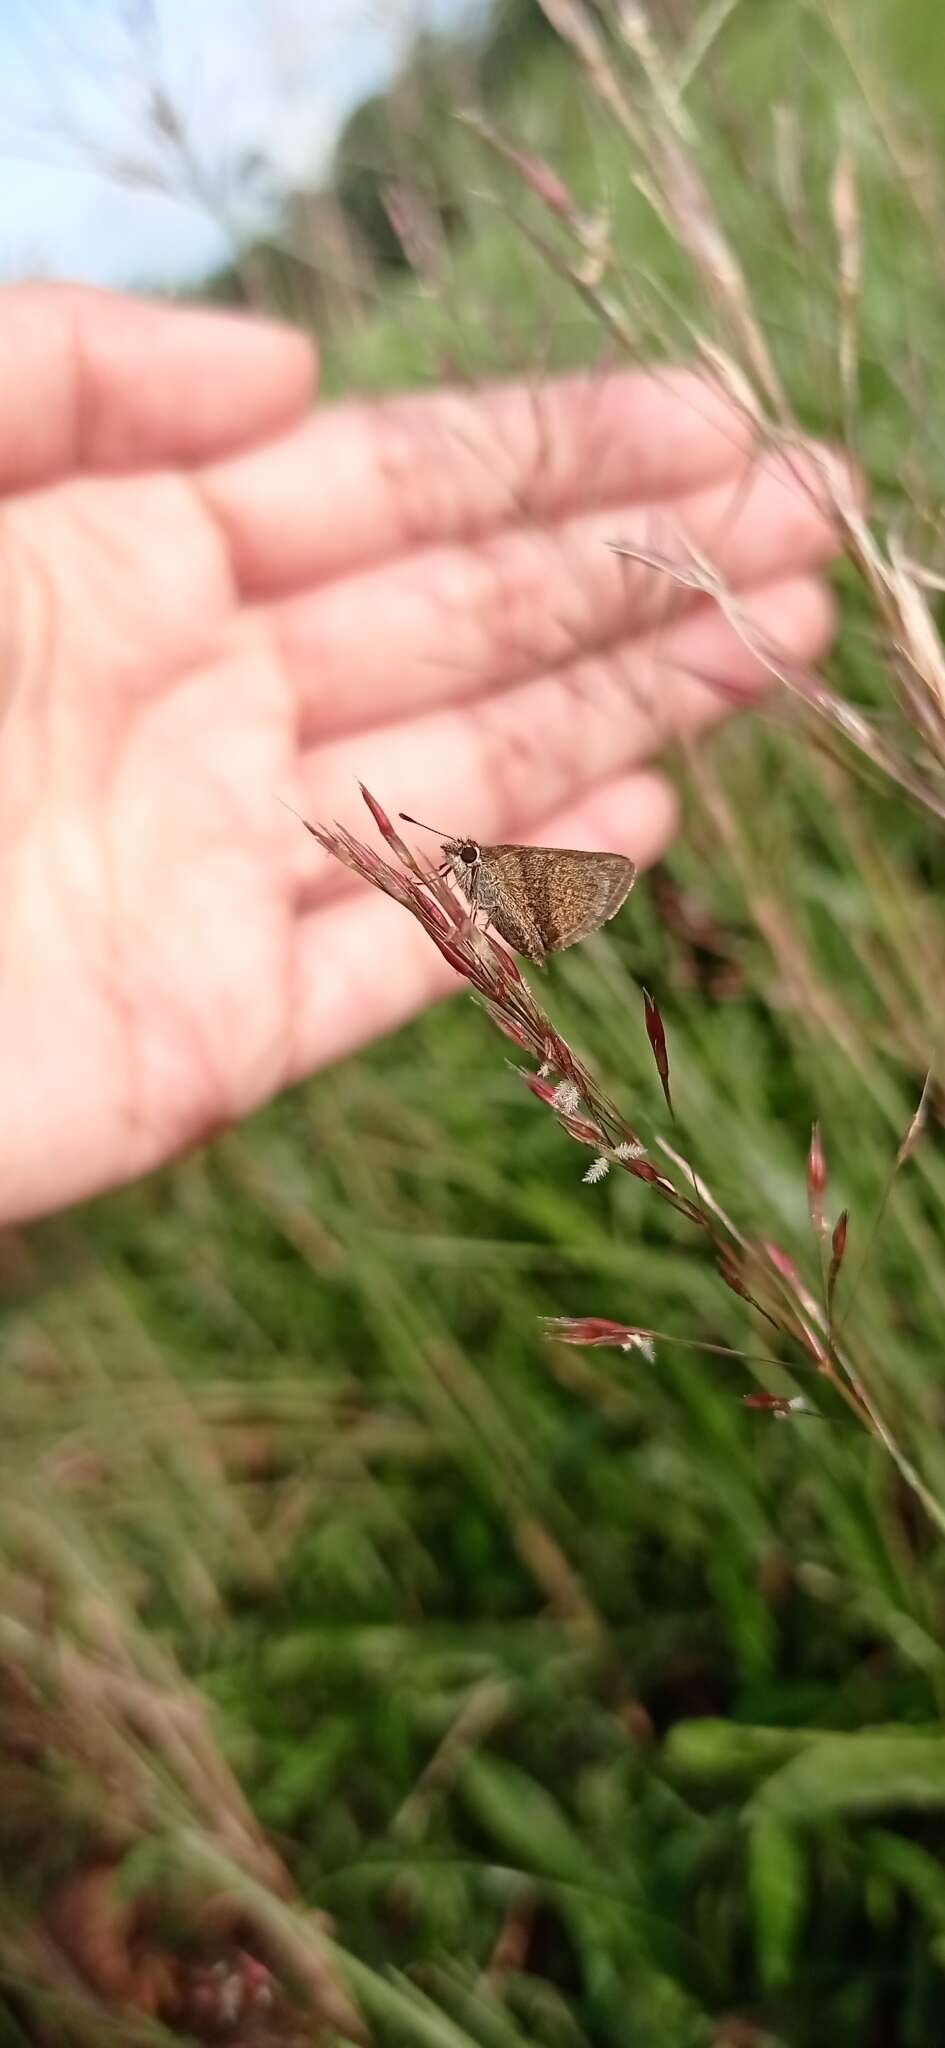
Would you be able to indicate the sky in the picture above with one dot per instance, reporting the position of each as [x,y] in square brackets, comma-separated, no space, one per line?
[90,191]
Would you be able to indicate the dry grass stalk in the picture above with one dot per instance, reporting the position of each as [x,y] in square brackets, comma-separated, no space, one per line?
[756,1269]
[653,120]
[94,1716]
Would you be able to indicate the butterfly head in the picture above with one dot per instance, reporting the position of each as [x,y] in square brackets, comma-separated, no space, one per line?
[464,851]
[463,856]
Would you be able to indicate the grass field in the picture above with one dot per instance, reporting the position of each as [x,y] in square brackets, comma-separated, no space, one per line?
[595,1709]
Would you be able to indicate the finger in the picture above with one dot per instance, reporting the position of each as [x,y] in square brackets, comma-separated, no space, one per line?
[361,482]
[94,380]
[535,748]
[364,965]
[458,622]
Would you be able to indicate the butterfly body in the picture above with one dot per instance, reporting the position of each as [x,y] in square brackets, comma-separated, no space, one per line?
[540,899]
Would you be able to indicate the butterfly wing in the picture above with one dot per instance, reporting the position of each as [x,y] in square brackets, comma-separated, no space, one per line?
[548,897]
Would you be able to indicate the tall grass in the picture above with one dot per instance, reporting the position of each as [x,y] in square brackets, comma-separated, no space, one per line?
[589,1703]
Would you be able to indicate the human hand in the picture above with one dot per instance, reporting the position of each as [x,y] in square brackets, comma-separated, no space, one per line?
[214,597]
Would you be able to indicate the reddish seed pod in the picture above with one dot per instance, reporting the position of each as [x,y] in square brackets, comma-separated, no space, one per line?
[436,917]
[657,1038]
[838,1245]
[839,1239]
[642,1169]
[731,1274]
[576,1127]
[545,1090]
[508,967]
[597,1330]
[379,816]
[771,1404]
[782,1262]
[816,1180]
[450,954]
[508,1027]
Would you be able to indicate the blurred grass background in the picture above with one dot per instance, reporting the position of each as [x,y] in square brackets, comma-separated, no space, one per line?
[594,1709]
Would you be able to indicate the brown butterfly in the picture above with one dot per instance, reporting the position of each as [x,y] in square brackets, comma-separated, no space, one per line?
[540,899]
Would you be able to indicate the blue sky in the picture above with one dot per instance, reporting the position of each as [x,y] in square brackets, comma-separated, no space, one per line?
[89,192]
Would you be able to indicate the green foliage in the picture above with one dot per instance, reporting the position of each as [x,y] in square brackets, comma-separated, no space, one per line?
[502,1635]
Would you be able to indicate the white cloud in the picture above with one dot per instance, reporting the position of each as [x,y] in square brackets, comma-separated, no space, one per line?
[89,188]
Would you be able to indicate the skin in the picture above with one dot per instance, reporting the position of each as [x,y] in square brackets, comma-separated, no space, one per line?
[215,596]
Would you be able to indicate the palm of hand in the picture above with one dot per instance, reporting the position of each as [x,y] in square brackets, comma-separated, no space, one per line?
[147,972]
[241,601]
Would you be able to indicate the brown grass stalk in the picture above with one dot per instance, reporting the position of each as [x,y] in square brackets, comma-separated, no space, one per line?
[756,1269]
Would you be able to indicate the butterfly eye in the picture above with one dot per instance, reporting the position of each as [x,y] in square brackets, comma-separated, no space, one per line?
[469,852]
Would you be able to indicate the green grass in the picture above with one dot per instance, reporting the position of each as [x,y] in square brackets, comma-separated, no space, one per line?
[501,1633]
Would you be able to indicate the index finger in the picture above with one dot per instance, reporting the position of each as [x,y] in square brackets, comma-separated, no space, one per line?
[361,481]
[100,381]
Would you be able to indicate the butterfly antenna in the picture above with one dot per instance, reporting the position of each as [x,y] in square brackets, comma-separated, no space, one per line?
[408,820]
